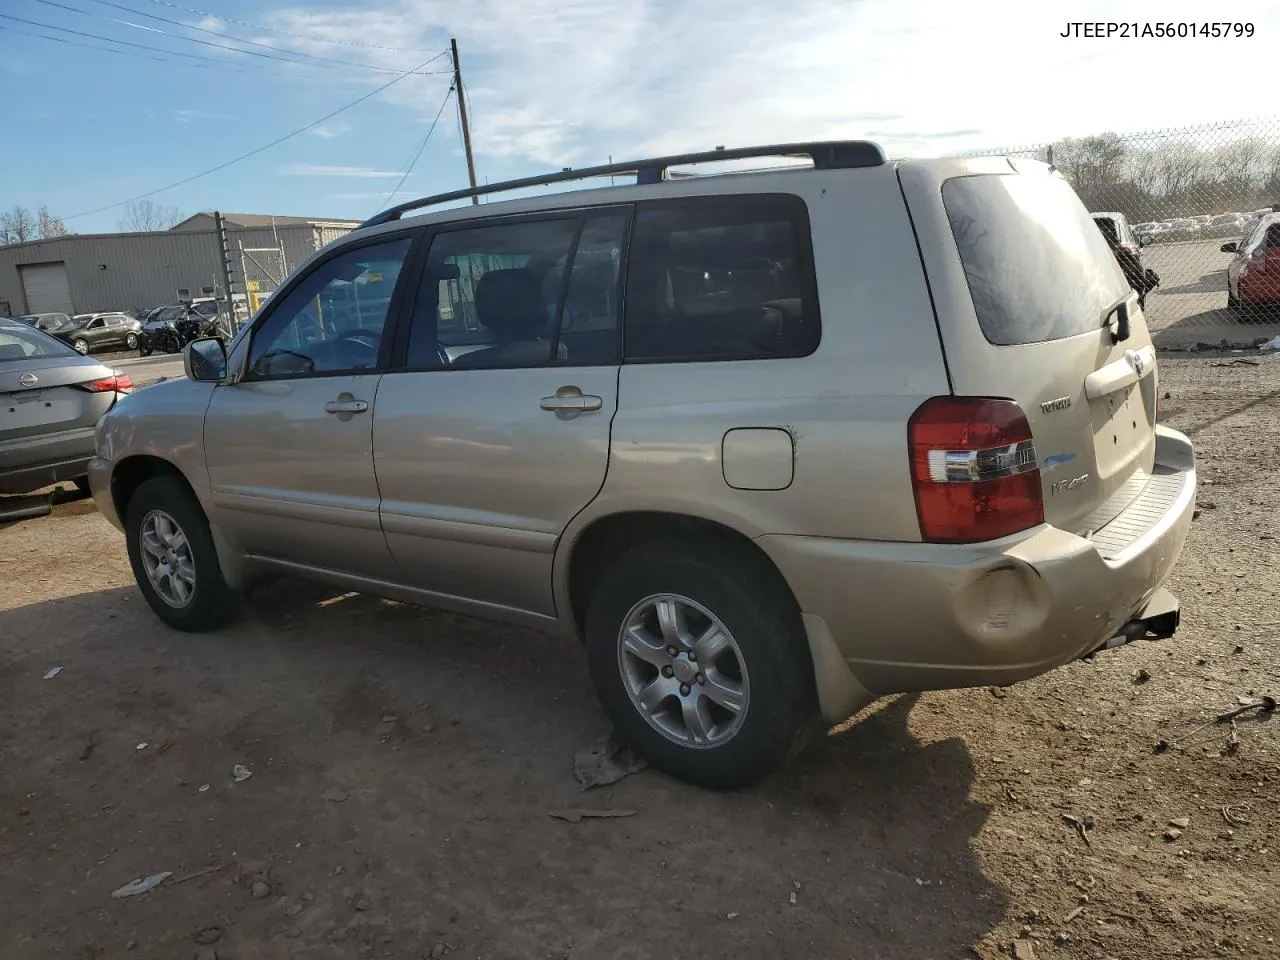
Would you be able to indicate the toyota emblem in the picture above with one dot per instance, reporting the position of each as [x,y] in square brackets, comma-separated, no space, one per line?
[28,380]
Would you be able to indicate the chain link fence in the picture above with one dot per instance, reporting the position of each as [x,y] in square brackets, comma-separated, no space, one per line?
[1184,193]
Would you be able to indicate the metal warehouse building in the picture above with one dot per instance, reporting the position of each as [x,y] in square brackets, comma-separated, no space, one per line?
[132,271]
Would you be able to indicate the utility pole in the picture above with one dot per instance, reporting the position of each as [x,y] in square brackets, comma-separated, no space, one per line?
[462,112]
[224,260]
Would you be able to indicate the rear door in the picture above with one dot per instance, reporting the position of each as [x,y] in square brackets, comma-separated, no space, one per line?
[1033,307]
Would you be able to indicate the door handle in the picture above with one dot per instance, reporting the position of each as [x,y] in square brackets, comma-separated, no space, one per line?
[572,400]
[346,404]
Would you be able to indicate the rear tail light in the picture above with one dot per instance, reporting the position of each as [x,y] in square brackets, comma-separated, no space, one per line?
[120,383]
[974,469]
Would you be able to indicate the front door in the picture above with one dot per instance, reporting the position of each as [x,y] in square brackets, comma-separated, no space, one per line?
[289,446]
[493,432]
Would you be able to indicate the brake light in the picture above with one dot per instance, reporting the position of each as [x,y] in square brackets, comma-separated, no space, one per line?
[974,469]
[120,383]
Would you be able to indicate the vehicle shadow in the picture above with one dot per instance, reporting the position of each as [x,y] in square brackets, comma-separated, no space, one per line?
[449,740]
[1212,282]
[1211,326]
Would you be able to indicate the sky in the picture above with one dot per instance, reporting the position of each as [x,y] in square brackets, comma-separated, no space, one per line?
[123,100]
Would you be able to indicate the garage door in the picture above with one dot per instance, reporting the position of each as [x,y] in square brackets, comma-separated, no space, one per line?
[46,287]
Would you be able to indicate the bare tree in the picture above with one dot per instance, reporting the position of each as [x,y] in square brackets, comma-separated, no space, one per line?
[142,215]
[50,226]
[18,226]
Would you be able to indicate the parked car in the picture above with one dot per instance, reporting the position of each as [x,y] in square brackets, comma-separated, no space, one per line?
[1148,233]
[92,331]
[1127,250]
[1183,229]
[53,398]
[771,486]
[1253,275]
[1224,225]
[171,328]
[46,321]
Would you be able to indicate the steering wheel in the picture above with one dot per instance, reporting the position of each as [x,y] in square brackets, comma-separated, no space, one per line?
[366,339]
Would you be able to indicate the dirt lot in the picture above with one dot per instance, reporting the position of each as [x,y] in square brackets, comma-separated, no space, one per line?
[404,763]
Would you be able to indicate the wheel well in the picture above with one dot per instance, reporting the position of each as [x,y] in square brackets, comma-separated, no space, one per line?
[132,472]
[610,537]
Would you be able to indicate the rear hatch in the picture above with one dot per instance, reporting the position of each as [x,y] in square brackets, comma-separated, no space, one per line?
[1033,307]
[49,393]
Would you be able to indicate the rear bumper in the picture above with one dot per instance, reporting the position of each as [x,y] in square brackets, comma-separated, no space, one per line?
[915,616]
[33,462]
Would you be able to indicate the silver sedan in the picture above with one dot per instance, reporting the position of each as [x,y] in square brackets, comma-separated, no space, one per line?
[51,399]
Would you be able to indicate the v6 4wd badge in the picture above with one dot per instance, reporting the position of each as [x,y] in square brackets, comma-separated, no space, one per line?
[1062,486]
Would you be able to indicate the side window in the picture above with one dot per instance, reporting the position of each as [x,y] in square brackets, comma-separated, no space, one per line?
[332,321]
[589,322]
[97,324]
[1273,235]
[115,321]
[490,295]
[721,279]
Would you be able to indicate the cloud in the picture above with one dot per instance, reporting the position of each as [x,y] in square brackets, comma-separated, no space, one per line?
[554,83]
[211,23]
[327,131]
[187,116]
[320,170]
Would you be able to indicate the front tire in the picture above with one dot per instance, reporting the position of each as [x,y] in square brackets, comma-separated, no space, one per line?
[81,346]
[131,341]
[173,557]
[699,658]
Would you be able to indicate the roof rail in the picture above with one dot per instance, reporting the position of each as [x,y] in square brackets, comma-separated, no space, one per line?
[826,155]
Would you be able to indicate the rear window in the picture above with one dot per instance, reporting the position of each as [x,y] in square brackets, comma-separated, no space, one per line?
[1037,265]
[26,343]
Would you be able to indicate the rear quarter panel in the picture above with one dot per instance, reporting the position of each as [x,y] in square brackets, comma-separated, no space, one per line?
[845,406]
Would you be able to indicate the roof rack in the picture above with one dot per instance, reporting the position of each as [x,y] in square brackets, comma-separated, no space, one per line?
[826,155]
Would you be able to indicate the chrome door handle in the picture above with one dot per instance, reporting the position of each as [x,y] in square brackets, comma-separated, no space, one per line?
[573,403]
[345,404]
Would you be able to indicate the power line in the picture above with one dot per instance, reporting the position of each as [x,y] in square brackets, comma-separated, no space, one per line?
[256,150]
[421,146]
[181,59]
[123,43]
[275,55]
[285,33]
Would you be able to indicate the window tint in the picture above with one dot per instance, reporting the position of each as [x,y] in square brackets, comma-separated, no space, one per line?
[721,279]
[1273,235]
[332,320]
[489,296]
[115,321]
[1037,265]
[17,343]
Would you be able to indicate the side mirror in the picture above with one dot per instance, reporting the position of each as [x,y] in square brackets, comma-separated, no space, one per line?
[205,360]
[1228,247]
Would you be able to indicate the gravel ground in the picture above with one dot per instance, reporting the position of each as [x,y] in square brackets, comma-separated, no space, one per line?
[404,764]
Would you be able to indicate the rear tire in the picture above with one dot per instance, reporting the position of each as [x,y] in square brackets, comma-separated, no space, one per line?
[764,666]
[82,484]
[173,557]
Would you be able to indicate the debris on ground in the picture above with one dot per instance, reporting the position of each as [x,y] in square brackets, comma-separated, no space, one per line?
[1141,675]
[1023,950]
[142,746]
[1172,834]
[240,773]
[1233,818]
[1082,826]
[203,873]
[53,672]
[334,795]
[136,888]
[998,692]
[164,747]
[1270,345]
[606,762]
[1073,914]
[207,935]
[259,890]
[731,916]
[578,815]
[1181,823]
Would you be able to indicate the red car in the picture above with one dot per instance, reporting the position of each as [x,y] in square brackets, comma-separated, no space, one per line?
[1253,276]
